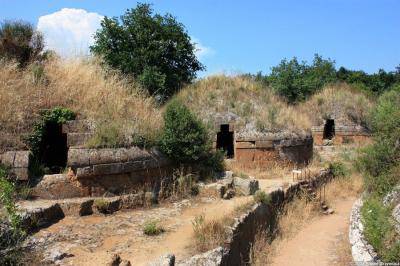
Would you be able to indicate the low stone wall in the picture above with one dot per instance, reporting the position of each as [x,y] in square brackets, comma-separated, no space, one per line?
[18,161]
[262,217]
[116,171]
[362,252]
[269,150]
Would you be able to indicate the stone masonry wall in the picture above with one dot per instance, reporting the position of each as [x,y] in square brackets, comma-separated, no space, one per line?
[18,161]
[116,171]
[343,134]
[268,151]
[262,217]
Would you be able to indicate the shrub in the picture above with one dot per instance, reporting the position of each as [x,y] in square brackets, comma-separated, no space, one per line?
[185,138]
[154,49]
[262,197]
[102,205]
[152,228]
[338,169]
[20,41]
[11,232]
[208,234]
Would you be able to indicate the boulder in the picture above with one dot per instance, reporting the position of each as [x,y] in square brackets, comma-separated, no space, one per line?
[115,260]
[246,186]
[165,260]
[77,207]
[230,193]
[58,186]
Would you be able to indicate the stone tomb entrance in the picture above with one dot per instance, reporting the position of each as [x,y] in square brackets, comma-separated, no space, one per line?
[225,141]
[329,129]
[53,148]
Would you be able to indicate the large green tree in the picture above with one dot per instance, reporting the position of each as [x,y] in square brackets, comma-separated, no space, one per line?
[155,49]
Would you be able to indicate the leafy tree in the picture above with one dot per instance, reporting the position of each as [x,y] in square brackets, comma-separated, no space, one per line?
[296,80]
[155,49]
[21,42]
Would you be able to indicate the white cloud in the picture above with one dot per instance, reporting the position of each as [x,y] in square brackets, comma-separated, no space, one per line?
[202,51]
[69,31]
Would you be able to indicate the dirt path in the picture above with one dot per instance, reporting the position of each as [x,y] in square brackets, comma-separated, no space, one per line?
[320,242]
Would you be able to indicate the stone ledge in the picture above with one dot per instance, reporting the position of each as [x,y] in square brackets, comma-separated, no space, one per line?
[361,251]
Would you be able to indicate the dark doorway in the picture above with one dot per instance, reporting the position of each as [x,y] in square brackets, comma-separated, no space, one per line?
[225,141]
[53,148]
[329,129]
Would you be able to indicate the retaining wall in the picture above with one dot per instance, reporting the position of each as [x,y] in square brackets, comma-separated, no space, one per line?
[105,172]
[266,151]
[262,217]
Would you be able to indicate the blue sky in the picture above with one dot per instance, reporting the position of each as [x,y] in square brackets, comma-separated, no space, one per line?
[251,36]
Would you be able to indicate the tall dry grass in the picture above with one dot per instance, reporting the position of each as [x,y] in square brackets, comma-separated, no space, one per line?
[80,85]
[341,102]
[258,108]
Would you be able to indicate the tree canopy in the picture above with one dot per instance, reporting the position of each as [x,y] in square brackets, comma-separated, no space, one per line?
[156,50]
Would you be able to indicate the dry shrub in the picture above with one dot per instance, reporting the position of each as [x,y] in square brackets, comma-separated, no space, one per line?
[210,234]
[341,102]
[80,85]
[257,106]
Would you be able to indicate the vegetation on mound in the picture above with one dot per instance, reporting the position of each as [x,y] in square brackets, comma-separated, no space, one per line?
[258,108]
[112,101]
[341,102]
[156,50]
[380,166]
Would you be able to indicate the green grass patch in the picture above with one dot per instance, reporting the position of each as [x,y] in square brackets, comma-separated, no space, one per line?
[152,228]
[379,229]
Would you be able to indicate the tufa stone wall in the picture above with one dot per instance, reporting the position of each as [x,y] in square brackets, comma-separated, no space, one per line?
[270,150]
[343,134]
[18,161]
[98,172]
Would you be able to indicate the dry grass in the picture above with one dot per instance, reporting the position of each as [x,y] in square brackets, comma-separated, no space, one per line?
[209,234]
[80,85]
[258,107]
[338,101]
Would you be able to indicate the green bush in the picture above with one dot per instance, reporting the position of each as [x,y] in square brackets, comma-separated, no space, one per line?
[379,229]
[184,138]
[21,42]
[296,81]
[152,228]
[156,50]
[338,169]
[262,197]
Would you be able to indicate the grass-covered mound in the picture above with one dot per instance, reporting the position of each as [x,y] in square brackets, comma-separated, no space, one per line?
[120,110]
[340,102]
[258,109]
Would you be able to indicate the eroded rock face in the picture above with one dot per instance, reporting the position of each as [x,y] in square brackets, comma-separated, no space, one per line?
[210,258]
